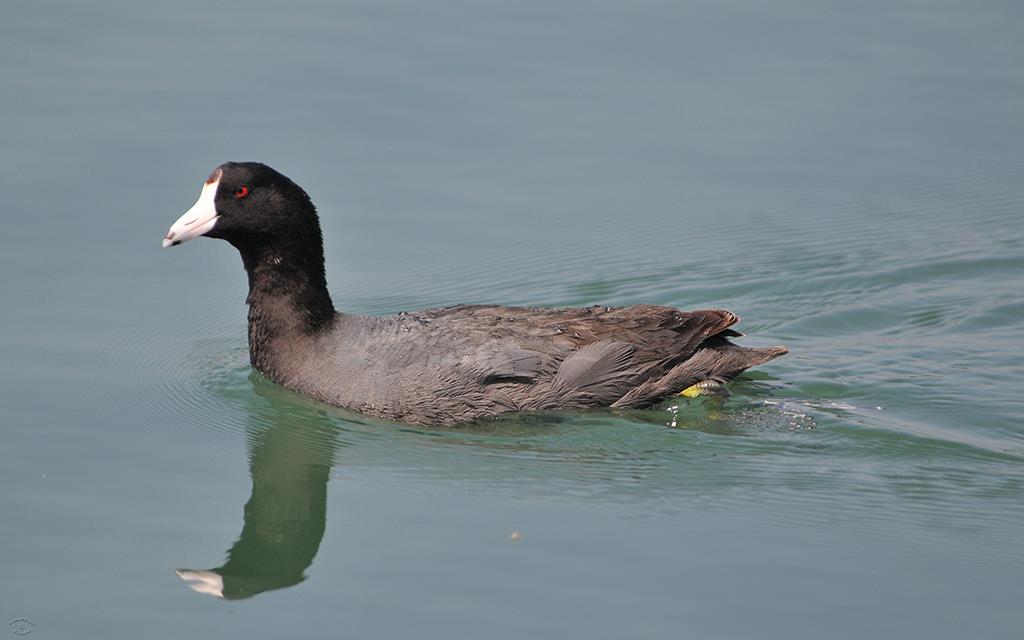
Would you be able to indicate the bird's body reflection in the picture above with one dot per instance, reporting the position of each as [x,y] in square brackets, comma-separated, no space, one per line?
[291,450]
[292,445]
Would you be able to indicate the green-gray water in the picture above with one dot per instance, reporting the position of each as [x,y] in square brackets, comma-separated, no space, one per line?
[847,177]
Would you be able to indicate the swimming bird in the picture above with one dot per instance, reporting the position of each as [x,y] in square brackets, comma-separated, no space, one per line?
[448,365]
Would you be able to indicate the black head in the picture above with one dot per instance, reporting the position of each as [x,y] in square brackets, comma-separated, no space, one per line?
[274,226]
[251,206]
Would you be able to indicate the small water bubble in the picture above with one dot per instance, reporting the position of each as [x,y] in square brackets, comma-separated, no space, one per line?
[21,626]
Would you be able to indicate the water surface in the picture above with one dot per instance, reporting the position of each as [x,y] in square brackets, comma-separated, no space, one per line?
[847,177]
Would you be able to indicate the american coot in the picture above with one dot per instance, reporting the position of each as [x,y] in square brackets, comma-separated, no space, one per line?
[449,365]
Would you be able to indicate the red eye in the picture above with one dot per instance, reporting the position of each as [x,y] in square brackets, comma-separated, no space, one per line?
[241,192]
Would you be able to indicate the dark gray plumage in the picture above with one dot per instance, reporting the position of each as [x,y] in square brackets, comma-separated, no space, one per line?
[449,365]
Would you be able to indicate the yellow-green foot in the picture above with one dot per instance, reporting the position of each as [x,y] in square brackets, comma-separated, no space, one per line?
[703,387]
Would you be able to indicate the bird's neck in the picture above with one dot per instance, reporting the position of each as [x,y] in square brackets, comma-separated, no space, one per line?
[288,302]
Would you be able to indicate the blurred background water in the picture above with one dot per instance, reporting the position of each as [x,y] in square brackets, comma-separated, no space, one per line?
[846,176]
